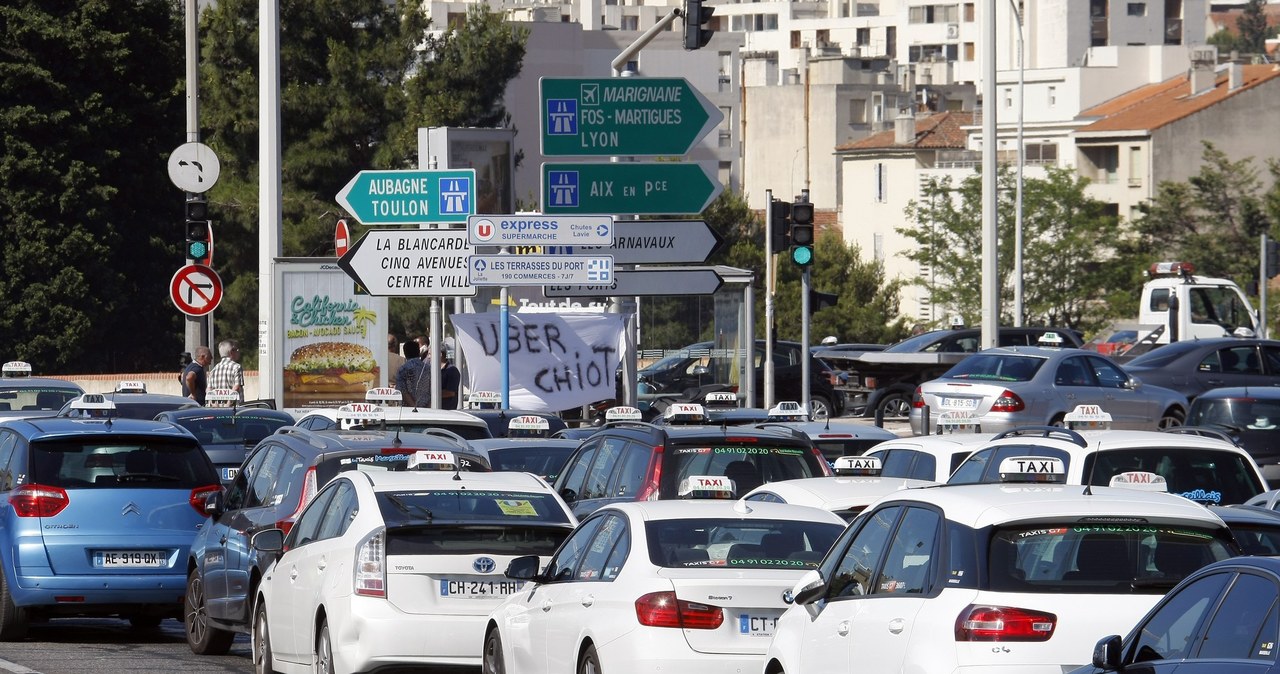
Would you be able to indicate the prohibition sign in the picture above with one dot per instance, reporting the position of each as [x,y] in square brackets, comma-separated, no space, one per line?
[196,290]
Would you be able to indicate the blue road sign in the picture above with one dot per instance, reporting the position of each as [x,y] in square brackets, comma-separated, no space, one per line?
[410,197]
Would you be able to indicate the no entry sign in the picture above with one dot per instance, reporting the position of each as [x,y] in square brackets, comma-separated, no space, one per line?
[196,290]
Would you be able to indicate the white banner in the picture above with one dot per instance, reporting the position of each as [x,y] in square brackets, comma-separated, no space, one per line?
[555,362]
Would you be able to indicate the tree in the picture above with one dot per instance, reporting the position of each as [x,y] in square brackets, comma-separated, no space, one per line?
[1252,25]
[92,108]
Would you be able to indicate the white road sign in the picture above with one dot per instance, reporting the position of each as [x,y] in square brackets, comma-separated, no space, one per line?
[536,229]
[647,281]
[194,167]
[654,242]
[410,262]
[539,270]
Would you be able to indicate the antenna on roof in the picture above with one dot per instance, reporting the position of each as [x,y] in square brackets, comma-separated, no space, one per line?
[1093,467]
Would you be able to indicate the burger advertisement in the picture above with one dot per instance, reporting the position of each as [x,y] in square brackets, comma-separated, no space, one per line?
[330,355]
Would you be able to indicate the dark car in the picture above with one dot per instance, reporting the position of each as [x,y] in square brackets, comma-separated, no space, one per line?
[269,491]
[1255,528]
[136,405]
[1194,366]
[1250,415]
[227,433]
[499,419]
[638,461]
[544,457]
[1222,619]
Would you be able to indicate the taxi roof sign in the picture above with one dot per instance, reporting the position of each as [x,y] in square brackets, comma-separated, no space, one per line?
[957,419]
[1033,469]
[220,395]
[436,459]
[17,368]
[383,395]
[528,426]
[484,397]
[722,398]
[92,401]
[623,413]
[133,386]
[788,410]
[689,412]
[361,412]
[1087,417]
[706,486]
[1141,480]
[858,465]
[1050,339]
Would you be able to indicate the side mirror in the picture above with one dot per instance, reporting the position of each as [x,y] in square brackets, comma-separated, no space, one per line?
[268,540]
[701,370]
[214,505]
[1106,654]
[523,568]
[1133,384]
[810,589]
[568,495]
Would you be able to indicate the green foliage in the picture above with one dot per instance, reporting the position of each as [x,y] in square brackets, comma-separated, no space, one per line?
[1252,25]
[91,219]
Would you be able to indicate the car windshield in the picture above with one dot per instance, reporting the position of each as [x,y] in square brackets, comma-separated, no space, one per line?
[242,429]
[1238,414]
[916,343]
[996,367]
[739,543]
[1073,557]
[440,506]
[748,465]
[1203,475]
[679,358]
[543,460]
[34,398]
[121,462]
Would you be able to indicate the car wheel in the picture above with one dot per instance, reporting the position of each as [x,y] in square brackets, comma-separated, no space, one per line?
[261,641]
[202,638]
[819,408]
[1059,421]
[492,657]
[13,620]
[589,663]
[1172,418]
[894,405]
[324,650]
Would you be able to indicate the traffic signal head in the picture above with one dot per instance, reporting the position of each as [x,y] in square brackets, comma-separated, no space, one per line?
[780,225]
[802,233]
[1273,258]
[695,18]
[199,242]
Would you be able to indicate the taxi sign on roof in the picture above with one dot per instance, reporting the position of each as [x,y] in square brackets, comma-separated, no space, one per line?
[858,465]
[1050,339]
[361,412]
[92,401]
[484,397]
[133,386]
[788,410]
[383,395]
[706,486]
[528,422]
[1087,417]
[722,398]
[685,411]
[221,395]
[1032,469]
[1141,480]
[623,413]
[957,419]
[17,368]
[432,460]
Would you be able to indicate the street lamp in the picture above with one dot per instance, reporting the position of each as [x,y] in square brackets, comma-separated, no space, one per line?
[1017,222]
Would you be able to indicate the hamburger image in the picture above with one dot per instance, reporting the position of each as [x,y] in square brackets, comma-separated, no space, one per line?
[331,368]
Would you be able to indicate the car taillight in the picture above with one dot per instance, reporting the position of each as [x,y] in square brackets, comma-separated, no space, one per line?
[371,566]
[197,497]
[822,461]
[649,492]
[917,398]
[38,500]
[1004,623]
[1008,402]
[308,490]
[662,609]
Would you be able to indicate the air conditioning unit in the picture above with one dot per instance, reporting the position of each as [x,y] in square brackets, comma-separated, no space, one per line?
[953,31]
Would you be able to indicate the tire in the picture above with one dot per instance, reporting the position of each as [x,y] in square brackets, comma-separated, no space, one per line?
[492,662]
[261,652]
[1058,420]
[324,650]
[589,662]
[202,638]
[1172,418]
[895,404]
[13,620]
[820,408]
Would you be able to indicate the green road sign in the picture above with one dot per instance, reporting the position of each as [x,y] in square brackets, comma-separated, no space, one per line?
[660,188]
[410,197]
[632,116]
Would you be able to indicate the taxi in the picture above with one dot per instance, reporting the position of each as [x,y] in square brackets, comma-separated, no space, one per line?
[22,395]
[615,414]
[1019,576]
[391,416]
[833,443]
[857,484]
[399,568]
[932,457]
[672,586]
[527,448]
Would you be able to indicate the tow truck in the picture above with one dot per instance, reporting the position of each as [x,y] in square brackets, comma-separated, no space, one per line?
[1178,305]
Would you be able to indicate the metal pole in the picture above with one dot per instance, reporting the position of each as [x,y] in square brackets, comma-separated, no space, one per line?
[197,327]
[269,199]
[768,302]
[749,343]
[504,353]
[1262,290]
[436,341]
[804,342]
[990,274]
[1017,225]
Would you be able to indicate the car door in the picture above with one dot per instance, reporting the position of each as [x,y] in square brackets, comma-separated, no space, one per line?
[533,647]
[590,597]
[1131,408]
[1159,644]
[595,491]
[1075,384]
[218,558]
[574,475]
[1241,636]
[297,579]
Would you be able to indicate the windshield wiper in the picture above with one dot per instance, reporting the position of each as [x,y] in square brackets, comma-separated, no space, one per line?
[410,508]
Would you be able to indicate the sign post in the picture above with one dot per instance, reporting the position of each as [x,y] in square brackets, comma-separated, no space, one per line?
[633,116]
[410,197]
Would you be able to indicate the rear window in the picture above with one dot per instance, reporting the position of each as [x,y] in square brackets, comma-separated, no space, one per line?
[544,461]
[1076,558]
[749,466]
[464,431]
[1202,475]
[996,368]
[387,459]
[1164,355]
[44,398]
[114,462]
[739,543]
[238,430]
[472,521]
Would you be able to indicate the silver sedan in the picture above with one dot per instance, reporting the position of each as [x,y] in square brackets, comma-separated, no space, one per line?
[1019,386]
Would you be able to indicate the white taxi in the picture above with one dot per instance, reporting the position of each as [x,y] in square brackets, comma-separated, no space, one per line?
[1023,576]
[382,410]
[399,567]
[660,586]
[857,484]
[932,457]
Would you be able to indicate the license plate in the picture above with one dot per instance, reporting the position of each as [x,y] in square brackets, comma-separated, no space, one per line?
[960,403]
[478,589]
[229,474]
[129,559]
[756,626]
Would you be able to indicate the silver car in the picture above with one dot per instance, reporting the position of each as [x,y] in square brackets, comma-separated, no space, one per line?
[1019,386]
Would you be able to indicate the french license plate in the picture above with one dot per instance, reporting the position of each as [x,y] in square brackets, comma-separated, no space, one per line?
[756,626]
[960,403]
[477,589]
[229,474]
[129,559]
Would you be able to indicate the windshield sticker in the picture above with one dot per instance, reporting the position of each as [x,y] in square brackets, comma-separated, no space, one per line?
[376,458]
[758,450]
[693,450]
[516,507]
[1042,532]
[773,561]
[1202,496]
[1265,648]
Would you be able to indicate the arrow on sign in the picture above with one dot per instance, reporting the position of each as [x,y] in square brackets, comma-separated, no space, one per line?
[647,282]
[639,187]
[410,197]
[410,262]
[655,242]
[636,116]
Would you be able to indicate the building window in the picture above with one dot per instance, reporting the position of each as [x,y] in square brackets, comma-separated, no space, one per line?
[877,107]
[1137,9]
[878,246]
[1105,160]
[864,37]
[630,23]
[857,111]
[1137,166]
[1008,98]
[882,188]
[968,12]
[1053,96]
[969,52]
[1045,154]
[726,126]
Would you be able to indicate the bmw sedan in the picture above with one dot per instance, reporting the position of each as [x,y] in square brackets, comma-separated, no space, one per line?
[1195,366]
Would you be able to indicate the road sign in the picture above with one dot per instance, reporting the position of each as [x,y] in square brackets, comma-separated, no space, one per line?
[645,282]
[341,238]
[194,167]
[410,262]
[634,116]
[540,270]
[538,229]
[653,242]
[196,290]
[410,197]
[636,187]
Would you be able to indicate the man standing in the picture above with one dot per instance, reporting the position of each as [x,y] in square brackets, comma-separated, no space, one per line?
[408,375]
[450,380]
[194,378]
[394,359]
[228,374]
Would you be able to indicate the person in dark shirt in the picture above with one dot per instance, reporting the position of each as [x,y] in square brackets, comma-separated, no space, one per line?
[450,380]
[194,378]
[409,374]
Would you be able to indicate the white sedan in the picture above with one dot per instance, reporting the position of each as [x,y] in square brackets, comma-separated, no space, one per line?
[659,586]
[856,484]
[399,568]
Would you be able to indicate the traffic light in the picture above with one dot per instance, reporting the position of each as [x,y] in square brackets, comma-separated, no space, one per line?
[199,239]
[1273,258]
[819,300]
[779,232]
[695,17]
[802,231]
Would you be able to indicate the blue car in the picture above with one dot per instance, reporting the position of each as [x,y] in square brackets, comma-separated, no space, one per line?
[97,517]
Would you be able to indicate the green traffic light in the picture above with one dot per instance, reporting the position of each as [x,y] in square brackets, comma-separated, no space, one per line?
[197,250]
[802,255]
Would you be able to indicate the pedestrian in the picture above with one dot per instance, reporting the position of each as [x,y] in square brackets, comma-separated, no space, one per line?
[408,374]
[394,359]
[228,373]
[450,380]
[422,387]
[195,379]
